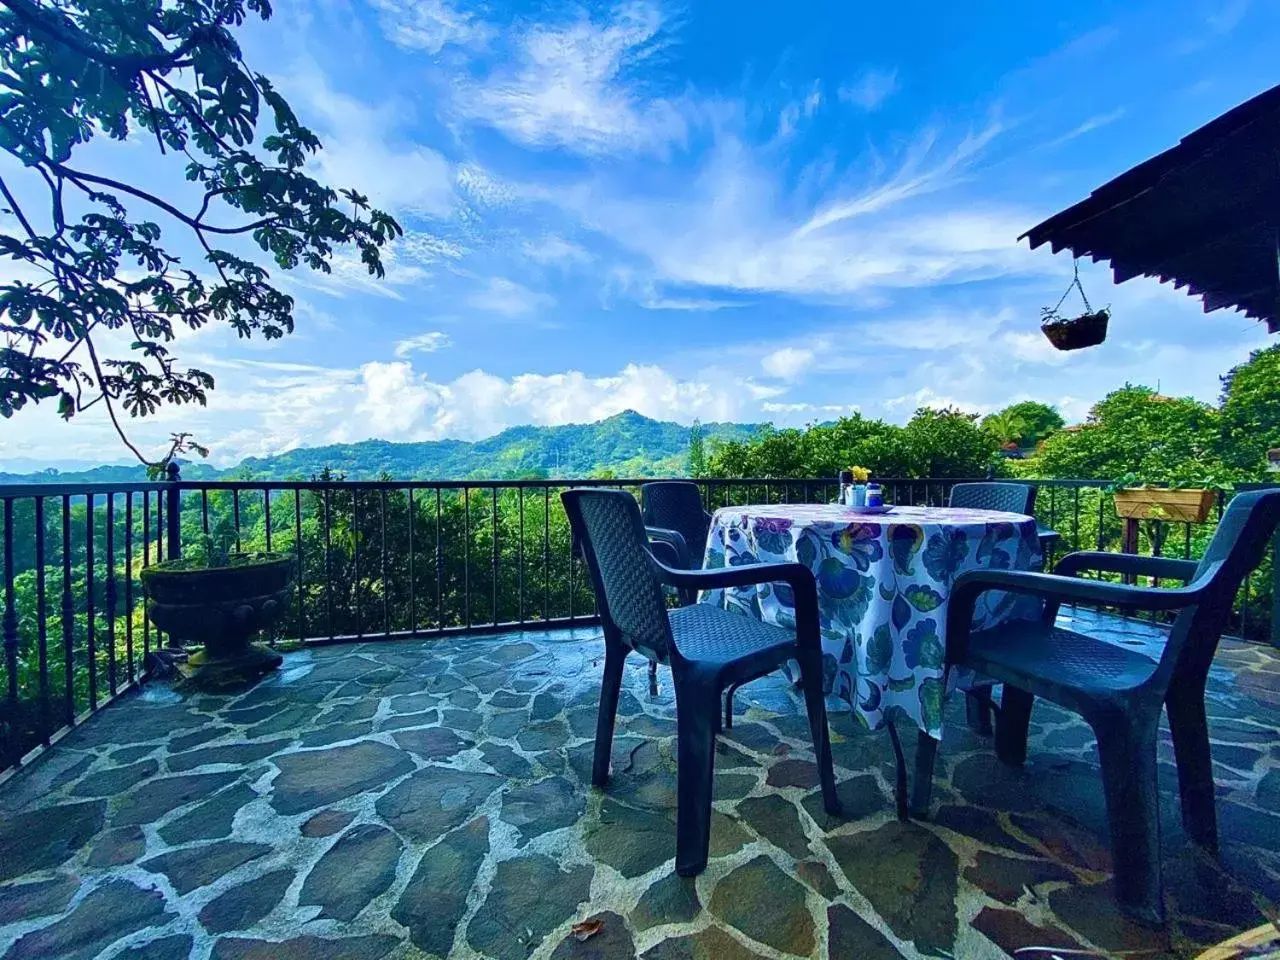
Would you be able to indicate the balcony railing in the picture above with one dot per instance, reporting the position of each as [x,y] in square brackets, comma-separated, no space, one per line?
[376,560]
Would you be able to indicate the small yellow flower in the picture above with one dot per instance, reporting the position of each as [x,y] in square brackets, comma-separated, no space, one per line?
[860,474]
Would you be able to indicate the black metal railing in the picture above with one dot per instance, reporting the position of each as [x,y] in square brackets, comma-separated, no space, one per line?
[375,560]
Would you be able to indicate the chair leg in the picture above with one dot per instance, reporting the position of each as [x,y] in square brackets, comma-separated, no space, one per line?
[1128,755]
[1190,729]
[816,707]
[728,705]
[697,715]
[615,657]
[922,793]
[977,710]
[900,781]
[653,678]
[1012,722]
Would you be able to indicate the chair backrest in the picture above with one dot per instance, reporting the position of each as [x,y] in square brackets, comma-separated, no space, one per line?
[1008,497]
[677,505]
[607,526]
[1237,548]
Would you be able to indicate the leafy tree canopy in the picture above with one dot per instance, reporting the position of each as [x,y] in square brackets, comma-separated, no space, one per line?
[938,443]
[1025,423]
[1251,410]
[97,274]
[1136,430]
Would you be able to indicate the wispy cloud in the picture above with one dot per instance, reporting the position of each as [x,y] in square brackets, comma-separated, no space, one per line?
[1226,18]
[556,251]
[571,88]
[508,298]
[430,25]
[1088,126]
[793,112]
[428,342]
[736,227]
[870,90]
[656,302]
[366,146]
[916,176]
[424,247]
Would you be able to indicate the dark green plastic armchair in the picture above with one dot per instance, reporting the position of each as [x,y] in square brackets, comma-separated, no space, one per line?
[1119,691]
[707,648]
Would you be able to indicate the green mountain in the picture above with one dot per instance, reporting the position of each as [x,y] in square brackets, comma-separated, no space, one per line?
[626,444]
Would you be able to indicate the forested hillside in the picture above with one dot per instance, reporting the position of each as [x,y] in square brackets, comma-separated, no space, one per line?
[626,444]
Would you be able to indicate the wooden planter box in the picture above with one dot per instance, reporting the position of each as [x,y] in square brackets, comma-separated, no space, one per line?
[1186,506]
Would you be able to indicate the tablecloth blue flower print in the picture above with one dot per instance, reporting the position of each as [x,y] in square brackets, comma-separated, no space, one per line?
[883,584]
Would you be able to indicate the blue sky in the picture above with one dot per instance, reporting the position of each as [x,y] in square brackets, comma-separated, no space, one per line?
[726,211]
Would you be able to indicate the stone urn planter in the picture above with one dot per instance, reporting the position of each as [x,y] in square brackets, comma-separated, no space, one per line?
[220,608]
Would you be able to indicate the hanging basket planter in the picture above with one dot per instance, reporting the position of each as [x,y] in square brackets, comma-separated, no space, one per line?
[1074,333]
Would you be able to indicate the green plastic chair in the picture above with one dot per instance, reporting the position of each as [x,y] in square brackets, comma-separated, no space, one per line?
[1119,691]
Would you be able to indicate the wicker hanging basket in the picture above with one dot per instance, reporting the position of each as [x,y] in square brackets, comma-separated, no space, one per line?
[1074,333]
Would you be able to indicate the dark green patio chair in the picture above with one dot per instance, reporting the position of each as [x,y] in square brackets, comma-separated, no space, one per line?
[673,514]
[708,648]
[1009,498]
[1118,690]
[1002,495]
[678,525]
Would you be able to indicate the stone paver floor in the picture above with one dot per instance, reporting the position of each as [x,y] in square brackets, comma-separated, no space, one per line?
[430,798]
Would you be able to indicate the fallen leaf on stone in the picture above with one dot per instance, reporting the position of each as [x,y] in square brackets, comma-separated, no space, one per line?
[586,929]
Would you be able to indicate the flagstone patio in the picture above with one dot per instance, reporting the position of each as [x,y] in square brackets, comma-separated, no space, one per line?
[430,798]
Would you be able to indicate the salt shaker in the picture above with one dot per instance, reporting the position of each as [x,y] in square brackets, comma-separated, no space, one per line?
[874,497]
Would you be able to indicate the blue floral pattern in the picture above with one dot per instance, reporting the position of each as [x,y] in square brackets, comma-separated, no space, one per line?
[882,590]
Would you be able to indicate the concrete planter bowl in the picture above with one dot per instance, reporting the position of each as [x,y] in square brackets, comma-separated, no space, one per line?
[220,609]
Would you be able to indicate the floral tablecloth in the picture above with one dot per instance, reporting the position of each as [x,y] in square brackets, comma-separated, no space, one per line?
[883,584]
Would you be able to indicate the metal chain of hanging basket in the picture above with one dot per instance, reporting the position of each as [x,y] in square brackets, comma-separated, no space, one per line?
[1072,333]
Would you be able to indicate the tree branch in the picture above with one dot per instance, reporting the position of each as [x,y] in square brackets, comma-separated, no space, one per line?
[80,178]
[62,31]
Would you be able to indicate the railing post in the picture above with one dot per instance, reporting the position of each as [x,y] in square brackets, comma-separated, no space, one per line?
[173,513]
[1275,589]
[11,630]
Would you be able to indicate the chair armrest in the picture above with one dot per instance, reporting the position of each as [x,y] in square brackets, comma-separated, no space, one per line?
[666,552]
[1054,589]
[1168,568]
[797,576]
[673,538]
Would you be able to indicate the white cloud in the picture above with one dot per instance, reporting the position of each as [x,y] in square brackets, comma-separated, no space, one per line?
[556,251]
[429,25]
[907,403]
[392,401]
[654,302]
[427,248]
[828,409]
[1088,126]
[787,363]
[569,88]
[736,226]
[508,298]
[871,89]
[366,150]
[792,113]
[482,187]
[349,274]
[428,342]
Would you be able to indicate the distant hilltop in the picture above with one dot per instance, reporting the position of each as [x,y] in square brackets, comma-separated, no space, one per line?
[626,444]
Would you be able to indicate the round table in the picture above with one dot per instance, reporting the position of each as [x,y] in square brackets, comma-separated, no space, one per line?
[883,583]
